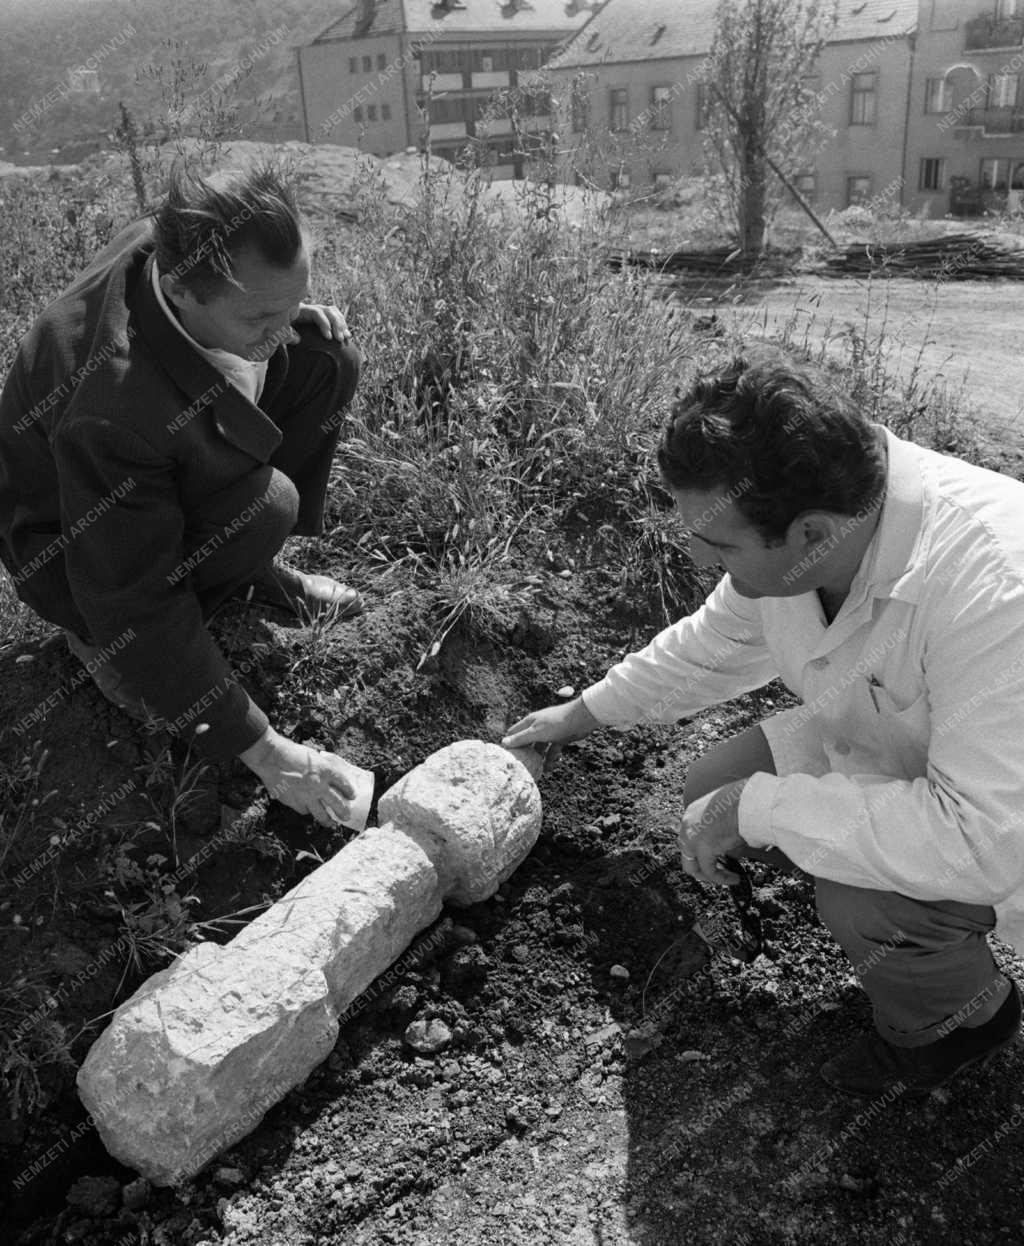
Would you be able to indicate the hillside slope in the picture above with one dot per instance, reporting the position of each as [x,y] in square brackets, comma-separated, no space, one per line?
[125,38]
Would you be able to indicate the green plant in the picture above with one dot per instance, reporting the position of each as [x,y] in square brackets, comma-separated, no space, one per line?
[19,796]
[514,384]
[172,789]
[33,1044]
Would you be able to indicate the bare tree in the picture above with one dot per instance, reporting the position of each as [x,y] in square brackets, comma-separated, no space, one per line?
[762,116]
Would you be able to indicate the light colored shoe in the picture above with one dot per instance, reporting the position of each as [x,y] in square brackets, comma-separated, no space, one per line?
[303,594]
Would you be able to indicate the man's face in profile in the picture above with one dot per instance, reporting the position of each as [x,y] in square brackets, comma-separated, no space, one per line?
[250,321]
[721,535]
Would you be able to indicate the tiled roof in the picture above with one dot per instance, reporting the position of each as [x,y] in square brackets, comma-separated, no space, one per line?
[468,17]
[476,15]
[380,17]
[643,30]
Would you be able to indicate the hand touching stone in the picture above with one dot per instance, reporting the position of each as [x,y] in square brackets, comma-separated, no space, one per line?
[552,727]
[305,779]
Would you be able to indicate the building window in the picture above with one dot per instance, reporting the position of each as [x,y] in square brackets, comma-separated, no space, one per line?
[382,60]
[618,100]
[371,112]
[702,112]
[450,61]
[863,89]
[933,173]
[385,112]
[661,108]
[535,104]
[461,108]
[367,64]
[663,179]
[619,179]
[1005,9]
[807,185]
[1002,90]
[493,60]
[995,173]
[353,64]
[357,115]
[938,95]
[858,190]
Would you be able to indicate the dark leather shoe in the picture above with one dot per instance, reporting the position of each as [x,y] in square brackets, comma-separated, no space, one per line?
[870,1067]
[110,683]
[303,594]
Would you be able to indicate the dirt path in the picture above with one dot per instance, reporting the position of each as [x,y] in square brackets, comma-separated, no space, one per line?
[965,336]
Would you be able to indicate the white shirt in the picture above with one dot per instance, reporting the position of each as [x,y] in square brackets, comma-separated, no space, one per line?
[246,375]
[903,769]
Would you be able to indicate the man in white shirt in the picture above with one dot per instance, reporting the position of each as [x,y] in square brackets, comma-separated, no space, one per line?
[884,583]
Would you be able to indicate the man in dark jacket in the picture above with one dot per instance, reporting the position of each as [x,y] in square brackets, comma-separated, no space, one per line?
[163,429]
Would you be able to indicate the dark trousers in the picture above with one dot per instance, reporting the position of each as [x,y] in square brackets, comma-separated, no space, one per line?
[925,965]
[286,497]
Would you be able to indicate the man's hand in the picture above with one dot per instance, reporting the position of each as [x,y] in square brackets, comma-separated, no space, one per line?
[709,829]
[553,727]
[331,320]
[305,779]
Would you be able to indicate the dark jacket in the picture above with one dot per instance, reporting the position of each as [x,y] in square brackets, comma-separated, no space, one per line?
[98,470]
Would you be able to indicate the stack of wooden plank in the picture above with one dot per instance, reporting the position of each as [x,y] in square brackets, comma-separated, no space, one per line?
[710,261]
[951,257]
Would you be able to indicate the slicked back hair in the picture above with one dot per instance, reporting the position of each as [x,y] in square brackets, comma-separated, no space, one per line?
[779,437]
[204,225]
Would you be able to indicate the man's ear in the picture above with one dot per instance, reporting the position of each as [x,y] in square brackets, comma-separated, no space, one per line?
[813,529]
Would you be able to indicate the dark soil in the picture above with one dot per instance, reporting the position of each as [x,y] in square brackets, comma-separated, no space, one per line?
[573,1105]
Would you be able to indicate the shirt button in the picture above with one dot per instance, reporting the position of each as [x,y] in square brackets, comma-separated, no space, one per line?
[842,748]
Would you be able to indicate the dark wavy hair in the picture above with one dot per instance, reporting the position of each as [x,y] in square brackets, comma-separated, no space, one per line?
[778,436]
[201,228]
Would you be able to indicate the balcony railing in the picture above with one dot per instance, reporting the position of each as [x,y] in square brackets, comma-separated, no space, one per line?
[992,32]
[448,129]
[995,121]
[499,78]
[441,82]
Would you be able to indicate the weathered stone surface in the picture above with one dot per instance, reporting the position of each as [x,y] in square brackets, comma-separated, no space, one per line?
[190,1064]
[355,914]
[475,809]
[192,1061]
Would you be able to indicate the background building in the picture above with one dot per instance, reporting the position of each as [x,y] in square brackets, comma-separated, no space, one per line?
[634,108]
[966,122]
[365,79]
[924,98]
